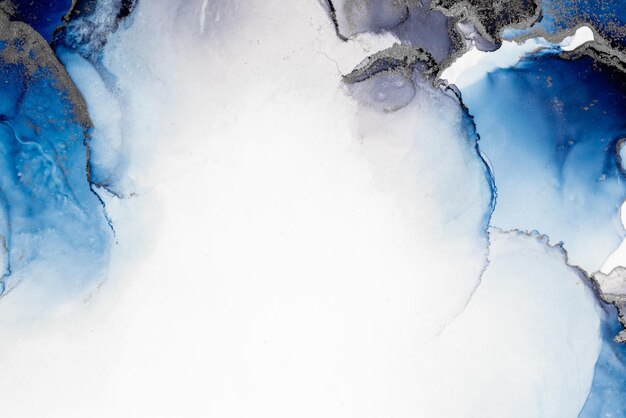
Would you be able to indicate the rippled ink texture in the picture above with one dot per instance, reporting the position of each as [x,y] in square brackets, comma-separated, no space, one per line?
[46,196]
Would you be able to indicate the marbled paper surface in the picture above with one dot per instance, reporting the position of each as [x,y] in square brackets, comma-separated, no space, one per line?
[323,208]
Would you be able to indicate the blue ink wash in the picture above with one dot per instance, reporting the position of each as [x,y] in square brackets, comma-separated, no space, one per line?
[550,128]
[54,232]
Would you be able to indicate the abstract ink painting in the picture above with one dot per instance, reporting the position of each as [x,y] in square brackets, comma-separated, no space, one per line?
[324,208]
